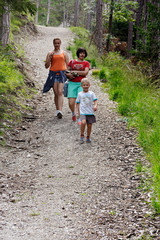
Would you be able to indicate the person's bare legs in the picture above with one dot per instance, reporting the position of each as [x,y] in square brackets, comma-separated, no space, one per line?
[58,96]
[72,102]
[83,124]
[55,90]
[89,129]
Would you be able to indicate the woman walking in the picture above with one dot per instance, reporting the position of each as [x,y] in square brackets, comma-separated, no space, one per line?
[58,61]
[78,70]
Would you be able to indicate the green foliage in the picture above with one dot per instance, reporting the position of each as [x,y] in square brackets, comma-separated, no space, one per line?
[15,23]
[138,166]
[120,30]
[148,45]
[56,12]
[82,39]
[24,6]
[95,72]
[13,90]
[102,74]
[123,11]
[10,78]
[140,103]
[82,33]
[93,63]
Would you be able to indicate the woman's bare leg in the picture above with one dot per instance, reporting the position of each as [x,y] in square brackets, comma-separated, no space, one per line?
[60,96]
[72,102]
[55,90]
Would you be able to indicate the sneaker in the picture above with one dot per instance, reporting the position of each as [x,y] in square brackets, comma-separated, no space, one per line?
[82,140]
[79,122]
[74,118]
[59,114]
[57,111]
[88,140]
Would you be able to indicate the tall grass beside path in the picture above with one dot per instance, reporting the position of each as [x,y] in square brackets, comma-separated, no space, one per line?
[13,91]
[138,101]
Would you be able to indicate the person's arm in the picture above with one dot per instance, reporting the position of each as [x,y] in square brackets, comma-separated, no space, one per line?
[48,59]
[95,105]
[77,105]
[82,73]
[77,109]
[69,75]
[66,59]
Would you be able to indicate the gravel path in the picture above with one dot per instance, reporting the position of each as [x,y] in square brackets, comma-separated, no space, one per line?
[53,188]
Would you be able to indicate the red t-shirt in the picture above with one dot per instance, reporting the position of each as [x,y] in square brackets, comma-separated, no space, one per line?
[78,66]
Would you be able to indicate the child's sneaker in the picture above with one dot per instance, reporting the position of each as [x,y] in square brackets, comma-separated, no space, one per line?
[79,122]
[82,140]
[74,118]
[88,140]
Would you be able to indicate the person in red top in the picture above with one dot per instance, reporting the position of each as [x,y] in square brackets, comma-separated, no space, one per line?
[78,70]
[58,61]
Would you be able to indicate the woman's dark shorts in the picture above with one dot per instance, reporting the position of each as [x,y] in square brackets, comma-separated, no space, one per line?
[58,78]
[89,118]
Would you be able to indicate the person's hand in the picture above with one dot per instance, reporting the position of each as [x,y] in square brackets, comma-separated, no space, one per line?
[94,108]
[69,75]
[51,55]
[75,74]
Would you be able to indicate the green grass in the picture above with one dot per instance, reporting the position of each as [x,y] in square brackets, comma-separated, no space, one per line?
[138,101]
[13,90]
[139,166]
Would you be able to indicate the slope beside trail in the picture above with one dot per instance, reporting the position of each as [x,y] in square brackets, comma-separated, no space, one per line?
[53,187]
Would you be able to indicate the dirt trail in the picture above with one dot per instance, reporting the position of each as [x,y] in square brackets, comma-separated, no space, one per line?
[53,188]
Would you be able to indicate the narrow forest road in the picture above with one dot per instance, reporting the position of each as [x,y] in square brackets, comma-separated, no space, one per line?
[53,188]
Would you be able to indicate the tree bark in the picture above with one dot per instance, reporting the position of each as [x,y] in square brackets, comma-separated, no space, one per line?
[130,38]
[64,16]
[139,19]
[110,25]
[48,13]
[88,23]
[76,13]
[99,25]
[5,19]
[36,19]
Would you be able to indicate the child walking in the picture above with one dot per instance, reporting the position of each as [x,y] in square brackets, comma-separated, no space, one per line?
[86,104]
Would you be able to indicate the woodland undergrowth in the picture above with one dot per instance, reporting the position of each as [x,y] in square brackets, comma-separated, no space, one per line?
[14,88]
[138,103]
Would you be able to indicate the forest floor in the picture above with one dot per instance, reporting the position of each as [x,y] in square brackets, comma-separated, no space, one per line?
[53,187]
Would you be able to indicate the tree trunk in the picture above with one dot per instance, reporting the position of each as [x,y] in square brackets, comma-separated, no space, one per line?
[64,16]
[88,22]
[48,13]
[76,13]
[130,38]
[139,19]
[36,19]
[154,38]
[5,19]
[110,25]
[99,25]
